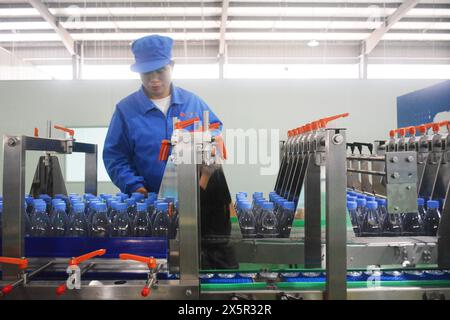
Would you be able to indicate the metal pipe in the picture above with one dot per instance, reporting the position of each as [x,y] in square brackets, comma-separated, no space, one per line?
[374,173]
[381,159]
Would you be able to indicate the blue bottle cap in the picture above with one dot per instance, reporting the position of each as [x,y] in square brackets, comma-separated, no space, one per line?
[289,205]
[130,201]
[432,204]
[40,206]
[370,198]
[45,197]
[361,196]
[352,199]
[372,205]
[267,205]
[240,196]
[138,196]
[169,199]
[162,206]
[381,202]
[257,195]
[120,206]
[100,206]
[361,202]
[37,201]
[420,201]
[78,206]
[260,201]
[1,206]
[60,206]
[352,205]
[29,200]
[141,206]
[246,205]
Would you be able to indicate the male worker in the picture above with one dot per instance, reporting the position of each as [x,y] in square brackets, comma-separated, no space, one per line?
[144,118]
[139,124]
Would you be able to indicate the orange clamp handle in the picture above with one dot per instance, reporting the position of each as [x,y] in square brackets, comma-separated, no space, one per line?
[392,133]
[436,127]
[422,129]
[150,261]
[22,263]
[412,131]
[87,256]
[325,121]
[186,123]
[36,132]
[164,151]
[69,131]
[402,132]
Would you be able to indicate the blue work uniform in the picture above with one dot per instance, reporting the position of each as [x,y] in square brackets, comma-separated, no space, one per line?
[134,137]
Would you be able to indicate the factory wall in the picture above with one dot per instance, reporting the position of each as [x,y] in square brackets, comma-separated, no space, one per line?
[245,104]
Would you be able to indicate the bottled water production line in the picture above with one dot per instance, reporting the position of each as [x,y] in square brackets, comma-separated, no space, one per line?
[345,248]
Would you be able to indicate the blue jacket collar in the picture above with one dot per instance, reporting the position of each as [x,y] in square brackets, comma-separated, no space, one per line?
[146,104]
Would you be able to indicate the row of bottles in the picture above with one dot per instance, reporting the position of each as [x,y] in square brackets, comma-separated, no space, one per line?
[369,217]
[264,219]
[104,216]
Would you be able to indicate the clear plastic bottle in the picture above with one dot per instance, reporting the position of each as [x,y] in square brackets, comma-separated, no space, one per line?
[247,221]
[382,209]
[412,224]
[40,224]
[351,207]
[269,223]
[421,208]
[59,221]
[101,226]
[162,221]
[90,210]
[48,201]
[78,226]
[142,226]
[392,225]
[112,212]
[52,211]
[286,214]
[121,225]
[371,222]
[131,208]
[432,218]
[361,210]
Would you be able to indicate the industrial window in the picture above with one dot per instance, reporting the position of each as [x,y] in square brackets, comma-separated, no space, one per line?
[75,161]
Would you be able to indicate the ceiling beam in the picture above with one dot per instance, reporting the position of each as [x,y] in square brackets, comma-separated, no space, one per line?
[375,37]
[65,36]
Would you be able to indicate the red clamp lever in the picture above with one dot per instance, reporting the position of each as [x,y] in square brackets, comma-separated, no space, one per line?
[69,131]
[186,123]
[151,264]
[402,132]
[76,261]
[412,131]
[324,122]
[150,261]
[36,132]
[22,263]
[164,151]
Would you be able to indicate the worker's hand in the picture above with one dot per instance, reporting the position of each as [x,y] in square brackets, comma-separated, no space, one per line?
[143,191]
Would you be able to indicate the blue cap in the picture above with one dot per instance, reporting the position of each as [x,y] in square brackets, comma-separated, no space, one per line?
[130,201]
[100,206]
[432,204]
[381,202]
[78,207]
[351,205]
[372,205]
[151,53]
[352,198]
[60,206]
[45,197]
[141,206]
[162,206]
[257,195]
[138,196]
[361,202]
[120,206]
[1,206]
[420,201]
[246,205]
[267,205]
[40,206]
[289,205]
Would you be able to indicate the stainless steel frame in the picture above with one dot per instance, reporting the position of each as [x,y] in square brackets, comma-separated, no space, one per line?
[15,148]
